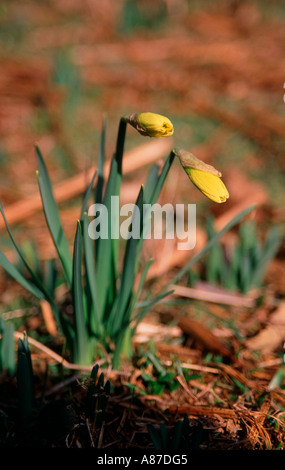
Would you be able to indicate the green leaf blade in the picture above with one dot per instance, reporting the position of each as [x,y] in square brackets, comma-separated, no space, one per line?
[53,219]
[15,274]
[81,337]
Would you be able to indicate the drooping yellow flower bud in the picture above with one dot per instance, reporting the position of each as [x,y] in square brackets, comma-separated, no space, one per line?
[205,177]
[151,124]
[210,185]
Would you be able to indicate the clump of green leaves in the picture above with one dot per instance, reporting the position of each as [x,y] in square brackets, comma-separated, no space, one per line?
[160,382]
[156,377]
[160,379]
[101,288]
[243,266]
[99,275]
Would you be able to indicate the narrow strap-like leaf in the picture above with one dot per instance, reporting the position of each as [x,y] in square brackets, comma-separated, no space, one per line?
[155,437]
[107,249]
[77,294]
[104,246]
[211,242]
[25,384]
[128,271]
[13,272]
[7,346]
[87,195]
[77,291]
[146,306]
[101,161]
[166,167]
[141,283]
[151,183]
[164,436]
[271,246]
[53,219]
[35,277]
[133,300]
[177,435]
[94,372]
[90,274]
[154,185]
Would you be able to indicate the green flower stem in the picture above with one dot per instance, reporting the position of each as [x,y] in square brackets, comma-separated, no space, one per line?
[108,249]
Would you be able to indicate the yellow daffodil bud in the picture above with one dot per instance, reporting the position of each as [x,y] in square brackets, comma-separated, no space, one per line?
[151,124]
[205,177]
[210,185]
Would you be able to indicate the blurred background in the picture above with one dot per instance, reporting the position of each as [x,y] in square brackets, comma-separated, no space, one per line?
[215,68]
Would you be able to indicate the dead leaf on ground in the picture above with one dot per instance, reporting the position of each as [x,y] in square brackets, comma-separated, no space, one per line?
[203,335]
[273,335]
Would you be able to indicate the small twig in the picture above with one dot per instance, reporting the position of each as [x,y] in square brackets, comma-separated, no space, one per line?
[48,317]
[64,362]
[216,297]
[272,362]
[187,365]
[52,354]
[184,385]
[18,313]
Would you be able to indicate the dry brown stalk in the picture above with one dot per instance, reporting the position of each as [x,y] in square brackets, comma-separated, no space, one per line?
[60,360]
[214,296]
[48,317]
[184,385]
[237,375]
